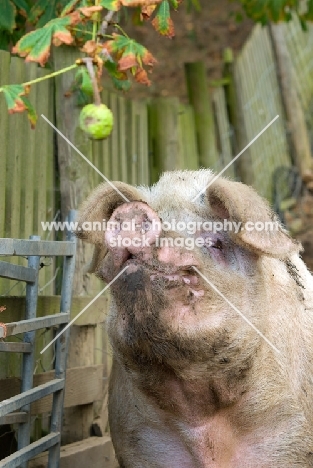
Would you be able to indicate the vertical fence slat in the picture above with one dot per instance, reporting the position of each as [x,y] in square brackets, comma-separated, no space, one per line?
[199,98]
[114,138]
[188,140]
[4,79]
[123,139]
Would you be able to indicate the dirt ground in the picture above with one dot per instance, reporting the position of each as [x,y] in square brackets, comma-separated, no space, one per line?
[199,36]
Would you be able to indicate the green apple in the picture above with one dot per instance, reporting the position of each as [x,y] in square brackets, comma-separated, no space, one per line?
[96,121]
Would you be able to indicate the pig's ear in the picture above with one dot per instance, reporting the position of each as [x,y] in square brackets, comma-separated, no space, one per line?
[239,203]
[99,207]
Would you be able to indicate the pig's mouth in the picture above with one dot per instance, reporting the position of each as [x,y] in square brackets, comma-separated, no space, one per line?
[169,276]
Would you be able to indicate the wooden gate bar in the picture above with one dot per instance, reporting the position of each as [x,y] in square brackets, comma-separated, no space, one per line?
[14,328]
[14,418]
[17,409]
[16,402]
[17,272]
[31,451]
[26,247]
[12,347]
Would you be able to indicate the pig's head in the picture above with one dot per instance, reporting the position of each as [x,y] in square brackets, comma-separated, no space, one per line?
[173,304]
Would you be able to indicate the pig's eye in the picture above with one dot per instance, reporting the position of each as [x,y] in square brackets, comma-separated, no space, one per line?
[218,245]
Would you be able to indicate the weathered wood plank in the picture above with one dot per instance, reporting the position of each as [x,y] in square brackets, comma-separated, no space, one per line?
[14,328]
[143,146]
[14,418]
[17,272]
[83,386]
[114,138]
[21,247]
[31,451]
[166,146]
[123,140]
[199,98]
[95,451]
[223,131]
[4,125]
[188,138]
[50,305]
[15,403]
[29,163]
[13,347]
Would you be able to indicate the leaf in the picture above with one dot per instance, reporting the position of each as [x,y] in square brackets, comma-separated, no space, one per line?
[7,16]
[35,46]
[309,11]
[135,3]
[113,5]
[38,9]
[83,81]
[5,40]
[15,96]
[48,15]
[277,10]
[68,8]
[22,7]
[141,76]
[162,21]
[31,112]
[118,77]
[175,3]
[89,11]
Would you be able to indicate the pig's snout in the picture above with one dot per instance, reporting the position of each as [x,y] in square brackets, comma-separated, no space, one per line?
[132,229]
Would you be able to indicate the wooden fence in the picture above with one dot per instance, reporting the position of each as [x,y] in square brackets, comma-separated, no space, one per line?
[42,176]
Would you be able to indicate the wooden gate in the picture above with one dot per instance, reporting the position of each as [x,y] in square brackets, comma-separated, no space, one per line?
[16,410]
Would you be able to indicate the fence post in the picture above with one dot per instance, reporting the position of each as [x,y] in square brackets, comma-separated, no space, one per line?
[230,95]
[199,98]
[164,127]
[294,112]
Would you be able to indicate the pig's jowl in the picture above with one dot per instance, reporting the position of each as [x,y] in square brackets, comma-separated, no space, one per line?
[193,384]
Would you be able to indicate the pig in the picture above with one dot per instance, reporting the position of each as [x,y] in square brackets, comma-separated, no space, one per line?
[212,344]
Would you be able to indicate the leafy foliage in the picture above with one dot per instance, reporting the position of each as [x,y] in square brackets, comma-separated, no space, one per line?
[15,96]
[131,56]
[35,46]
[35,25]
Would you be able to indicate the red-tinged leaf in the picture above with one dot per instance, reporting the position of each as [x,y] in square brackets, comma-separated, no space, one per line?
[89,11]
[113,5]
[31,113]
[35,46]
[7,17]
[127,61]
[12,94]
[135,3]
[129,55]
[147,11]
[15,96]
[141,76]
[148,59]
[62,37]
[162,21]
[90,47]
